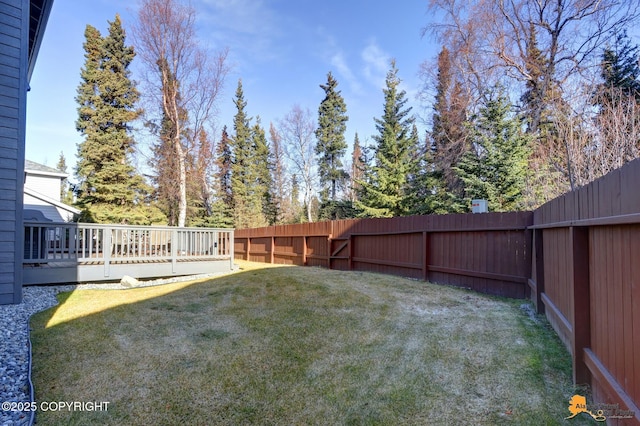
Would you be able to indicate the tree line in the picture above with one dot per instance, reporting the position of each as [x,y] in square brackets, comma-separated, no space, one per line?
[519,114]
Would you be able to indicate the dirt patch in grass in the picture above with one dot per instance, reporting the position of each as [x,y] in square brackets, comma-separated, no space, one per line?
[287,345]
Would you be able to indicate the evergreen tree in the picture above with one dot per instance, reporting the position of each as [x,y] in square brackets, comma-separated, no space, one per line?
[356,168]
[537,96]
[247,195]
[497,169]
[385,191]
[223,168]
[429,193]
[618,100]
[448,136]
[620,72]
[263,167]
[413,201]
[66,189]
[331,143]
[109,188]
[164,164]
[222,207]
[200,188]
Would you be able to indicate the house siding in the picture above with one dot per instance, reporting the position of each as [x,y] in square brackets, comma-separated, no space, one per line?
[47,185]
[14,19]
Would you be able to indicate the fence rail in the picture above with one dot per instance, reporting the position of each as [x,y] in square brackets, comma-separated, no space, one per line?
[452,249]
[49,246]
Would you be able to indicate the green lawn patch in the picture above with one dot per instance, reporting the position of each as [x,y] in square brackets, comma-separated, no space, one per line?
[290,345]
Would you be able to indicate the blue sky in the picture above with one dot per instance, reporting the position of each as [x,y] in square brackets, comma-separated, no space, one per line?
[282,50]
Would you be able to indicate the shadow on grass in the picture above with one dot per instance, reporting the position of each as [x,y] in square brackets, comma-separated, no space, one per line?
[289,345]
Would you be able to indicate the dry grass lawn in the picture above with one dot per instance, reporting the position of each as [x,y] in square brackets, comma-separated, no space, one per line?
[289,345]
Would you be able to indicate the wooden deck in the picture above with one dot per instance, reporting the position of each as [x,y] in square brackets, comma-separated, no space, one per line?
[78,252]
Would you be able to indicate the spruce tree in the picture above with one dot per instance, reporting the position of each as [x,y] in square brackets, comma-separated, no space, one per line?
[428,190]
[536,98]
[386,191]
[164,164]
[247,196]
[66,188]
[357,169]
[200,188]
[222,207]
[109,188]
[331,143]
[263,164]
[414,200]
[497,169]
[223,168]
[620,72]
[449,140]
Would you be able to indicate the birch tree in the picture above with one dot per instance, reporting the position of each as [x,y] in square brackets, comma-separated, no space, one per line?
[297,130]
[182,77]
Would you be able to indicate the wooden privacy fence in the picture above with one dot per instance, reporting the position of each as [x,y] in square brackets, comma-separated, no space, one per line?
[487,252]
[586,278]
[577,257]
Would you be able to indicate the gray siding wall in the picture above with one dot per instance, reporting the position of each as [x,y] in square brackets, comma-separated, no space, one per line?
[14,19]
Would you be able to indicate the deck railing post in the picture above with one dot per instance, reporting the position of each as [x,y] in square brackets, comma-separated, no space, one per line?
[106,249]
[231,244]
[174,249]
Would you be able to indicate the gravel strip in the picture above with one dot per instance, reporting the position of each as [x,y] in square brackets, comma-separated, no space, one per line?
[14,349]
[14,338]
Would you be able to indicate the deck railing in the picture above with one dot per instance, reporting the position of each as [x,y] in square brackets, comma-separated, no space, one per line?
[69,243]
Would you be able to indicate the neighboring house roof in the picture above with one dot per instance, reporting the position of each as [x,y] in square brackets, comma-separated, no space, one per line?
[41,169]
[44,191]
[51,201]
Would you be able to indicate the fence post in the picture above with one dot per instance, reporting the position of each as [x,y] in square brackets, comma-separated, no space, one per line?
[329,249]
[248,248]
[351,238]
[304,250]
[272,249]
[581,338]
[539,265]
[425,255]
